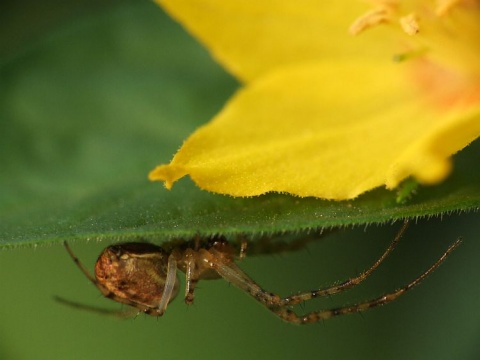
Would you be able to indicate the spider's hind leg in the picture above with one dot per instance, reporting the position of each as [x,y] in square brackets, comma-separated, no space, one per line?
[127,313]
[105,292]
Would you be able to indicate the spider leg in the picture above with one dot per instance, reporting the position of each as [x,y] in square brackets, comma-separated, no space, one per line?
[101,311]
[299,298]
[243,250]
[288,315]
[191,276]
[236,276]
[280,307]
[169,288]
[105,292]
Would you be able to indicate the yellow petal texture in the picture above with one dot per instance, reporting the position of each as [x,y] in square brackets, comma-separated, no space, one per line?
[329,130]
[250,38]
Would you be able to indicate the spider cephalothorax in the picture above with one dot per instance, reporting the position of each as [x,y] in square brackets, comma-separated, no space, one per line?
[144,276]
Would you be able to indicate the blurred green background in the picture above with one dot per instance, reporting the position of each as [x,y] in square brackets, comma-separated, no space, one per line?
[126,62]
[437,320]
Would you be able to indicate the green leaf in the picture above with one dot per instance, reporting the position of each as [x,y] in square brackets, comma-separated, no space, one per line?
[89,110]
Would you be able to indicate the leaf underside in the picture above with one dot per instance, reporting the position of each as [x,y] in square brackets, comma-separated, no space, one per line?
[89,110]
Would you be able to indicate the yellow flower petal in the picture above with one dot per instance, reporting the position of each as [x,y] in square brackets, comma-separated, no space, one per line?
[304,130]
[250,38]
[429,159]
[325,114]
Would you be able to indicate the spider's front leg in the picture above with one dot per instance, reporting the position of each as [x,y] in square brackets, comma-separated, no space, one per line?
[192,275]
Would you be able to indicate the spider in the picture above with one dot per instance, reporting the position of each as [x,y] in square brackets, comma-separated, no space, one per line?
[144,276]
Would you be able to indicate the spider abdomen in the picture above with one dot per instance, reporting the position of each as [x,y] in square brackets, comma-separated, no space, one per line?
[134,272]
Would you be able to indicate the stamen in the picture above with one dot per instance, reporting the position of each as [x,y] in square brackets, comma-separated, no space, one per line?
[410,24]
[370,19]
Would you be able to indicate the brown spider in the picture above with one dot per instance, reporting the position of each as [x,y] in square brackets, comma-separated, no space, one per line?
[144,276]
